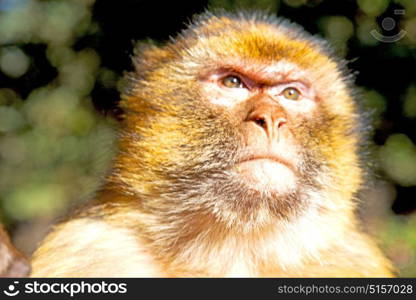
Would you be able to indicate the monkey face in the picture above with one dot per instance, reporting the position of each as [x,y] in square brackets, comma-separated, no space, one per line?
[257,119]
[267,105]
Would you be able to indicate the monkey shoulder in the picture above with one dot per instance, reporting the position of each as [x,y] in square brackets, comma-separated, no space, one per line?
[355,256]
[88,247]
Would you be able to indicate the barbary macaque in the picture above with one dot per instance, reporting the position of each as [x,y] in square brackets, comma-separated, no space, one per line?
[238,157]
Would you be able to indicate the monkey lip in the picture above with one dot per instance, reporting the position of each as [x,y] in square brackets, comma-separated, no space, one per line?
[267,172]
[271,158]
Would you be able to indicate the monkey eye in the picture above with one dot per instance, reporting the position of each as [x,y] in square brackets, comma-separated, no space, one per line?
[291,93]
[232,81]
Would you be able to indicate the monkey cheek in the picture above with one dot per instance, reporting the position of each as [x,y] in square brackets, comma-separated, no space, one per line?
[268,176]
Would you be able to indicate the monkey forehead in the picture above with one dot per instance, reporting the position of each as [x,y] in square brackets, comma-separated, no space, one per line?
[254,37]
[267,46]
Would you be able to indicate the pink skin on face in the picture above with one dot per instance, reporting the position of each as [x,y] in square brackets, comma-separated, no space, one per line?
[271,158]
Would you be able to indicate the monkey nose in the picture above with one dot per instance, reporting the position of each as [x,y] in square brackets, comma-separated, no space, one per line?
[269,121]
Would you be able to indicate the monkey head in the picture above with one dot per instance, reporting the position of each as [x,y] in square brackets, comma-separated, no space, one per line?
[243,117]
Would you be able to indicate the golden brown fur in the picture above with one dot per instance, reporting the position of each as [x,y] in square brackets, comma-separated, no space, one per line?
[173,205]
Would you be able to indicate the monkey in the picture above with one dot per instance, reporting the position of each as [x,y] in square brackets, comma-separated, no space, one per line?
[238,156]
[12,262]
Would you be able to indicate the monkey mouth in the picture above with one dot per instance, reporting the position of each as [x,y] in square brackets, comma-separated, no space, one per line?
[266,158]
[267,172]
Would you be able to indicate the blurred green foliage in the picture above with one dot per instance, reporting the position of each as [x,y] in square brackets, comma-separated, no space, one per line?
[55,148]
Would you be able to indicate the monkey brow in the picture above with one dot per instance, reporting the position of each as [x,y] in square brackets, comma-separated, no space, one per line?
[263,74]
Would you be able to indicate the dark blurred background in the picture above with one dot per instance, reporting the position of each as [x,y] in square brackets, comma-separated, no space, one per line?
[61,64]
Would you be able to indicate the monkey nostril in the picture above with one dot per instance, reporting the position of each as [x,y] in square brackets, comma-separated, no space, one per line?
[261,122]
[280,122]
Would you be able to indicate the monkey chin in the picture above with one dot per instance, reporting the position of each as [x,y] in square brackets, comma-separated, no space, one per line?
[267,174]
